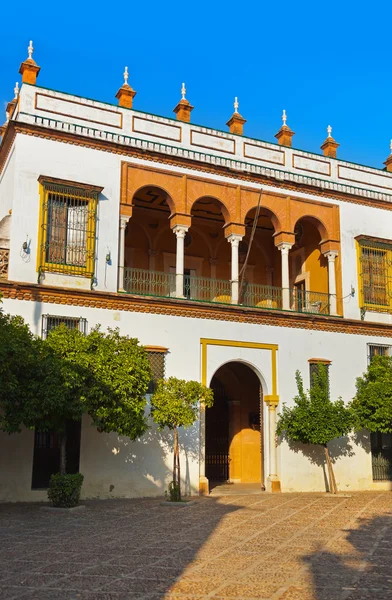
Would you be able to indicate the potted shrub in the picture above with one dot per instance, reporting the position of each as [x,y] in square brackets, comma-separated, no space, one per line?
[64,489]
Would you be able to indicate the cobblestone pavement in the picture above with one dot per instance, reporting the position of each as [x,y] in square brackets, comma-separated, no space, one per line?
[280,547]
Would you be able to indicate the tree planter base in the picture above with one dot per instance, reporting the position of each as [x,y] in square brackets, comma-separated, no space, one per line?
[177,504]
[59,509]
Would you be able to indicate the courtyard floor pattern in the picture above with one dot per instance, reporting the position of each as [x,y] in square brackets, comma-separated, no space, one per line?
[248,547]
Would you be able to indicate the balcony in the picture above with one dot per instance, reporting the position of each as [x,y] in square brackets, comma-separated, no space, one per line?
[142,282]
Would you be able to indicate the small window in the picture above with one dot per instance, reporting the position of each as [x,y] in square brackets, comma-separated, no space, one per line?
[67,227]
[378,350]
[314,367]
[49,322]
[46,458]
[381,446]
[375,274]
[157,363]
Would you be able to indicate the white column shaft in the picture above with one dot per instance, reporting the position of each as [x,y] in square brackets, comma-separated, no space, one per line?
[234,241]
[121,253]
[180,232]
[272,441]
[284,250]
[332,283]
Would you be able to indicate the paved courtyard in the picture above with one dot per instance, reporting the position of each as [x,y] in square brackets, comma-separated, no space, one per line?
[286,547]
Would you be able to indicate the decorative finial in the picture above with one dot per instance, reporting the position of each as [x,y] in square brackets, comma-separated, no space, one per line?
[16,90]
[126,76]
[236,105]
[30,50]
[183,91]
[390,147]
[284,118]
[7,116]
[329,130]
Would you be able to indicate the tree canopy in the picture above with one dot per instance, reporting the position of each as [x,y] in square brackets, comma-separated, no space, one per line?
[372,404]
[175,402]
[108,374]
[315,418]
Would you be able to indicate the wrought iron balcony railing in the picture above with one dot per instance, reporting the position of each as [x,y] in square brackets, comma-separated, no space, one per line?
[143,282]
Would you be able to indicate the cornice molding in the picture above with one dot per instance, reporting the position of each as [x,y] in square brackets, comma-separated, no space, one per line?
[147,153]
[187,308]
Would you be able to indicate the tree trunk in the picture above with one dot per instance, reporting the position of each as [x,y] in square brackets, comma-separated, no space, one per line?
[63,453]
[332,481]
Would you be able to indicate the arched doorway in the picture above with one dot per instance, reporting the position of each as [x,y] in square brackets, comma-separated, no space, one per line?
[234,426]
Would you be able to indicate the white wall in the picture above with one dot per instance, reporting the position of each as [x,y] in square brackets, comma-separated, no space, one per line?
[141,468]
[7,182]
[74,163]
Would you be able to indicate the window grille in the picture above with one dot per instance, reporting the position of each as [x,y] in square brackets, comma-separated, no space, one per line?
[157,363]
[49,322]
[381,446]
[68,224]
[314,369]
[375,271]
[378,350]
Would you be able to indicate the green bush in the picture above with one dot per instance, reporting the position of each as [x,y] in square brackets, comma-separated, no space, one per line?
[64,490]
[174,492]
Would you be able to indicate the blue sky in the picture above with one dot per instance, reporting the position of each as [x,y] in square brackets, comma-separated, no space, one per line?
[324,62]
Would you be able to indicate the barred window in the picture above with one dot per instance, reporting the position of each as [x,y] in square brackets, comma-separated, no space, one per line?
[156,357]
[375,273]
[67,227]
[314,365]
[378,350]
[49,322]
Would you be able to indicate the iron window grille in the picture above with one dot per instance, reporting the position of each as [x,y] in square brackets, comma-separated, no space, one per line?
[378,350]
[375,273]
[50,322]
[381,447]
[67,228]
[157,363]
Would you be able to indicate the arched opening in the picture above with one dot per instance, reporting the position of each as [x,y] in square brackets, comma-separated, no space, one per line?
[207,253]
[234,425]
[260,280]
[150,245]
[309,268]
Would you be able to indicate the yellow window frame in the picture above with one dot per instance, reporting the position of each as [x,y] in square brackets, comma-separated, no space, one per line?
[381,246]
[64,189]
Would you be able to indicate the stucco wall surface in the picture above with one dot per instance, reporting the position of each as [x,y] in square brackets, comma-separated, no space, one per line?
[143,467]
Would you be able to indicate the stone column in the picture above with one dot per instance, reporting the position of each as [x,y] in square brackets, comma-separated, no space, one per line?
[234,240]
[180,231]
[203,481]
[121,252]
[331,256]
[273,483]
[284,250]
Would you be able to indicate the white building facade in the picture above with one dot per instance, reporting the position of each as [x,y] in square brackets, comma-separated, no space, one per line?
[235,262]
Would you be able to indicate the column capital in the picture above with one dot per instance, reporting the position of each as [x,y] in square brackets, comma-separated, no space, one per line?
[180,230]
[272,400]
[234,239]
[152,252]
[124,221]
[213,261]
[331,255]
[284,247]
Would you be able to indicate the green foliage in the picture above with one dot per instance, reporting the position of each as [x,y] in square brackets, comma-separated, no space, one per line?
[174,492]
[175,402]
[372,404]
[31,391]
[315,419]
[64,490]
[107,375]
